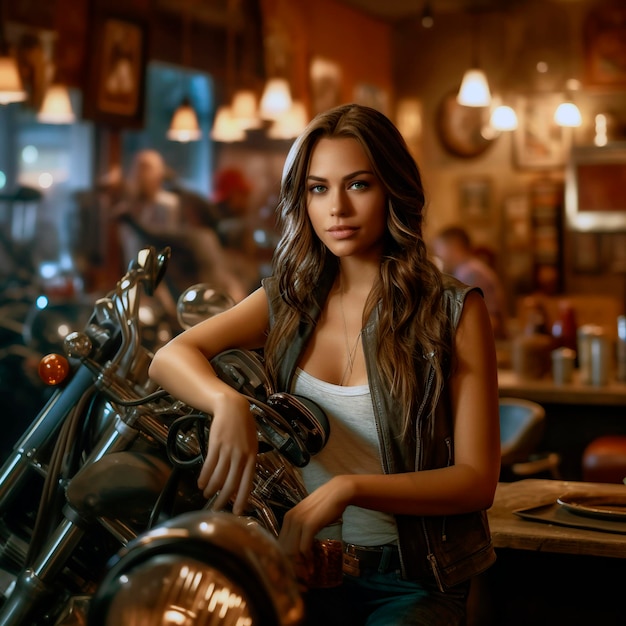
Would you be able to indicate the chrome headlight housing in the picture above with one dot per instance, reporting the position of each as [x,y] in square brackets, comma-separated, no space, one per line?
[199,569]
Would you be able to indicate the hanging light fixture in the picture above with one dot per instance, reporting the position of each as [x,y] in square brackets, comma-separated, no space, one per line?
[245,111]
[503,117]
[474,91]
[56,107]
[276,99]
[568,114]
[291,124]
[11,86]
[225,127]
[184,126]
[228,128]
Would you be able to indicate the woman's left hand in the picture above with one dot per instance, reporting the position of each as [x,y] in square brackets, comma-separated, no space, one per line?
[300,525]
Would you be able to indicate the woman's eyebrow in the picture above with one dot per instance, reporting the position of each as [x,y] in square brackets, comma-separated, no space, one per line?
[346,177]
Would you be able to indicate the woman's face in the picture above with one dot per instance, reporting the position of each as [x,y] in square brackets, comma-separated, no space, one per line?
[346,202]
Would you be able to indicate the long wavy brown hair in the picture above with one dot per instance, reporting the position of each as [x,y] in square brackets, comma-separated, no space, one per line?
[412,321]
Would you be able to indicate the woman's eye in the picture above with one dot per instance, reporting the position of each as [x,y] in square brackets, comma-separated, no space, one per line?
[317,189]
[358,185]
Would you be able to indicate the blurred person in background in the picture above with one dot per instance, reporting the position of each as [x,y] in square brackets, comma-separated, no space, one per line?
[150,213]
[453,247]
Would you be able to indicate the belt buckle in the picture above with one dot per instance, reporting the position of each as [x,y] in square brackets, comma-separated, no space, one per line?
[351,564]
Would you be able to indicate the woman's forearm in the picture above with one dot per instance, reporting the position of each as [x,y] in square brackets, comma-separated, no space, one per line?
[187,374]
[447,491]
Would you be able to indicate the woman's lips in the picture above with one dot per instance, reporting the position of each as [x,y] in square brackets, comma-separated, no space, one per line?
[341,232]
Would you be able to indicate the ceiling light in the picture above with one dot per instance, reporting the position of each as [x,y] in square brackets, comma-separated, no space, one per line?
[276,99]
[11,88]
[291,124]
[568,114]
[184,126]
[474,91]
[244,109]
[225,127]
[56,107]
[503,117]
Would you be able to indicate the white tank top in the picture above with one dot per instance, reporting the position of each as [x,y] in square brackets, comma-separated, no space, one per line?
[352,448]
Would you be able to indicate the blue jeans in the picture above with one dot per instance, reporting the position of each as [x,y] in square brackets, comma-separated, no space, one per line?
[375,599]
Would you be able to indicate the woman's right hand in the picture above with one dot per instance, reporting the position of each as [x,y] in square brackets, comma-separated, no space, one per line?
[231,456]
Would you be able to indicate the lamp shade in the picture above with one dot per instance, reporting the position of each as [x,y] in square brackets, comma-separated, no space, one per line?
[184,126]
[56,107]
[474,91]
[244,109]
[567,114]
[11,88]
[225,127]
[503,118]
[291,124]
[276,99]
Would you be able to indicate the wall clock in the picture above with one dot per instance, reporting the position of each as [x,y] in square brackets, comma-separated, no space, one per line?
[463,131]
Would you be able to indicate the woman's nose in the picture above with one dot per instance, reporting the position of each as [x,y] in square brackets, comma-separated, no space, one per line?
[338,204]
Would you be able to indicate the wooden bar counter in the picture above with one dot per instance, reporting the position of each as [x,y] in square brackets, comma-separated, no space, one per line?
[546,391]
[508,530]
[547,574]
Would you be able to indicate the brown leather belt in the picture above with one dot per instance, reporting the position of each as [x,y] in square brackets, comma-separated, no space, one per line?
[382,559]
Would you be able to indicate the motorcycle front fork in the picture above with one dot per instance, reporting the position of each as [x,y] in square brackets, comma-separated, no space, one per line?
[34,586]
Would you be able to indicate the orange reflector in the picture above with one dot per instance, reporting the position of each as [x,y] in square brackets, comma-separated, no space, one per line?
[53,369]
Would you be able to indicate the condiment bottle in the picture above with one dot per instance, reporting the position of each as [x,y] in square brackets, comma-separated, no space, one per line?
[531,351]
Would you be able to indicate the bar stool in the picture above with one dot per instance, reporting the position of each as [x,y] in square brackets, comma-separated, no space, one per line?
[604,460]
[522,423]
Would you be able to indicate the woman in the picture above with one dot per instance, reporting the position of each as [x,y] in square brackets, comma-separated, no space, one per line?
[400,357]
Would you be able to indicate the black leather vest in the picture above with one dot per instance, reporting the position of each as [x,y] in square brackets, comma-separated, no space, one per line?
[447,549]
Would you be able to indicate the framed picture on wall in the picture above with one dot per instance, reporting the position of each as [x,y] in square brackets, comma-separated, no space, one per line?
[115,93]
[605,45]
[475,199]
[539,142]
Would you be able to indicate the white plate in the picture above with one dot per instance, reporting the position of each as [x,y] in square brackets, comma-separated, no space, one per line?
[602,506]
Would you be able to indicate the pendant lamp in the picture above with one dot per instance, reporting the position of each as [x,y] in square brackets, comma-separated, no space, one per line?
[503,117]
[474,91]
[568,114]
[245,110]
[184,125]
[225,127]
[56,107]
[291,124]
[276,99]
[11,87]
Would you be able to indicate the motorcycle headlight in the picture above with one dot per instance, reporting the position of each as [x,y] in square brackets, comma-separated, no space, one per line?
[199,569]
[174,590]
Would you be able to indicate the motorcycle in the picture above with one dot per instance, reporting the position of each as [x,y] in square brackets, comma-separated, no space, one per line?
[112,457]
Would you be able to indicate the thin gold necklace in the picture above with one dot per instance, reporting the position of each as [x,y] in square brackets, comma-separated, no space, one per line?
[351,353]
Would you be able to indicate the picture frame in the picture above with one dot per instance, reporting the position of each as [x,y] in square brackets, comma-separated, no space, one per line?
[116,87]
[538,141]
[475,202]
[604,43]
[594,196]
